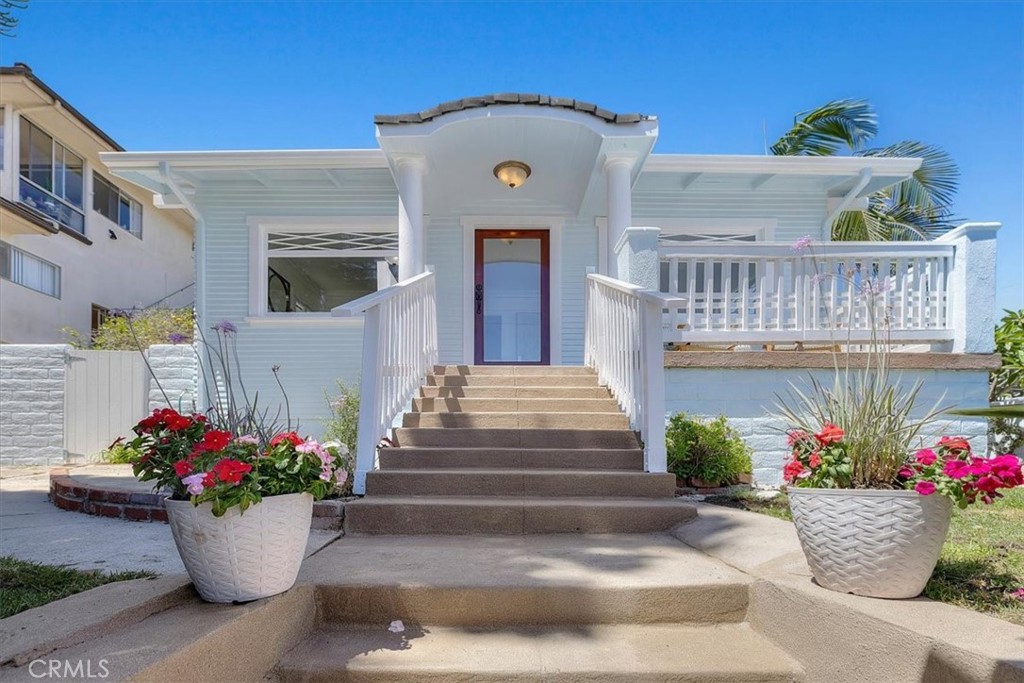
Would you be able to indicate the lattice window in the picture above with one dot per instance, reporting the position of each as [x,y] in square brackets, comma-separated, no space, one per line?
[348,241]
[710,237]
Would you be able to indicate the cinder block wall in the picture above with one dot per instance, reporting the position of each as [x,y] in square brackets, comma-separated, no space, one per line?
[746,395]
[32,381]
[175,369]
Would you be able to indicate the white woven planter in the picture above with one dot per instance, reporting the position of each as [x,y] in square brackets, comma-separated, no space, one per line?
[882,544]
[240,557]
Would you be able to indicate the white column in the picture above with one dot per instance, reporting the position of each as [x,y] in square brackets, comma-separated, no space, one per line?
[972,286]
[410,218]
[618,170]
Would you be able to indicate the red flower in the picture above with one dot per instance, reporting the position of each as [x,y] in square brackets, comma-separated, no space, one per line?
[209,480]
[231,471]
[178,422]
[290,437]
[955,444]
[214,440]
[815,460]
[792,469]
[829,434]
[182,468]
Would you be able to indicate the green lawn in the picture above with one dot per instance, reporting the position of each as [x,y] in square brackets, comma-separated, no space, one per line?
[24,585]
[982,563]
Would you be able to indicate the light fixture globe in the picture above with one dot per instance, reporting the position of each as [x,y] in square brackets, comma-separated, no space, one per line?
[512,173]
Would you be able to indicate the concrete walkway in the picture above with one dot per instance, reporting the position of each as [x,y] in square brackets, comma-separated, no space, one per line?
[32,529]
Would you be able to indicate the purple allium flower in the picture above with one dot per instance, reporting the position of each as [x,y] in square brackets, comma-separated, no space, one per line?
[802,243]
[225,327]
[177,338]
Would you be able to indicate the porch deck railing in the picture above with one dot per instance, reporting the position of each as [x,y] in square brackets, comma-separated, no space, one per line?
[399,350]
[769,292]
[623,343]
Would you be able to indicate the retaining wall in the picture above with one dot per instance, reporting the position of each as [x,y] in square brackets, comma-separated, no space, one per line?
[32,383]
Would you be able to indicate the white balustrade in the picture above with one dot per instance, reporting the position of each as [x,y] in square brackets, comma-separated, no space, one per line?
[838,291]
[623,343]
[399,351]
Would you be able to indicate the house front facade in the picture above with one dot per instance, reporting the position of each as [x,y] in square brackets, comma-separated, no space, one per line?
[513,201]
[75,242]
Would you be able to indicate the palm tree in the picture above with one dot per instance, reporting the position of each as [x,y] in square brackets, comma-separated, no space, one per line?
[918,208]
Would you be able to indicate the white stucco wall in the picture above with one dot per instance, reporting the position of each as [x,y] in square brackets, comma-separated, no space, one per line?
[746,395]
[32,381]
[174,368]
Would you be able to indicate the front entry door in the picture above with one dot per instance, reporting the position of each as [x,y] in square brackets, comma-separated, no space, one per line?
[511,297]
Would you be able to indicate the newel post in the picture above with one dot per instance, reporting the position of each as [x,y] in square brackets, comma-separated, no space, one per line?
[972,287]
[636,255]
[370,401]
[653,368]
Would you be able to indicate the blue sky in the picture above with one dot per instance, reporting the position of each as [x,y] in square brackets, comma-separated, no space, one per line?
[232,75]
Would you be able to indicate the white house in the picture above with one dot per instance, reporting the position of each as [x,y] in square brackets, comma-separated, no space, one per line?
[519,204]
[75,242]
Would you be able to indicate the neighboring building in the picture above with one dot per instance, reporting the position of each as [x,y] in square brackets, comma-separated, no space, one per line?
[75,242]
[284,237]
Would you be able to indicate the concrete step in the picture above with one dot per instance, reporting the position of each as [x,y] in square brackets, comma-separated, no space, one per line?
[548,379]
[516,420]
[514,392]
[512,405]
[528,458]
[520,482]
[520,370]
[567,579]
[516,438]
[512,515]
[655,653]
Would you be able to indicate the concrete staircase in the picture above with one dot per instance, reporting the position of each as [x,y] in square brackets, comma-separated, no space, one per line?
[555,608]
[514,450]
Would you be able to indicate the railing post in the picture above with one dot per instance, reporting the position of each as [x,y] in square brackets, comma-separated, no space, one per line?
[972,287]
[370,401]
[653,378]
[636,254]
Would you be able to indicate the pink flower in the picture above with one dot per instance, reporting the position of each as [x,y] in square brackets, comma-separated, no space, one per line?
[308,446]
[1019,594]
[905,472]
[341,476]
[925,456]
[248,439]
[956,469]
[194,483]
[802,243]
[815,460]
[925,488]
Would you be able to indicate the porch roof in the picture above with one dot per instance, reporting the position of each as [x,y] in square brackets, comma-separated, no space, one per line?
[501,99]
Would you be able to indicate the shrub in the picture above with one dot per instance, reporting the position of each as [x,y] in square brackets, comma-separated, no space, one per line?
[709,450]
[343,425]
[152,326]
[119,453]
[1007,434]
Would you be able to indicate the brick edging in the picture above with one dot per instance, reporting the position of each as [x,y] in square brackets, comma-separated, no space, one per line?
[73,496]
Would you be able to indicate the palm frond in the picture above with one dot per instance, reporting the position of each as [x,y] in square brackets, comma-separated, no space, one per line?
[827,129]
[932,186]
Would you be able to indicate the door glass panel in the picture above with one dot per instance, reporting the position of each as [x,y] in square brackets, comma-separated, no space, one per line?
[512,300]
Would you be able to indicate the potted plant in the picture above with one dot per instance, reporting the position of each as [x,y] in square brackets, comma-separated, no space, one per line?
[241,482]
[239,509]
[870,505]
[706,453]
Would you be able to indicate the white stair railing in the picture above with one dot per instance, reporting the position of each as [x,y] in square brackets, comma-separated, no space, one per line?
[624,345]
[767,292]
[399,351]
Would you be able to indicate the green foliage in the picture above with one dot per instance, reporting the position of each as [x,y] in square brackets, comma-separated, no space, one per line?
[130,330]
[918,208]
[24,585]
[343,425]
[119,453]
[709,450]
[1008,380]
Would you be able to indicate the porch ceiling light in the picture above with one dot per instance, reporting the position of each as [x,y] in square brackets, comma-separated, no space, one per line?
[512,173]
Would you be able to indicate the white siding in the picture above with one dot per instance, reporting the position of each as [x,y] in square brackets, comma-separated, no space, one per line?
[444,250]
[579,251]
[312,358]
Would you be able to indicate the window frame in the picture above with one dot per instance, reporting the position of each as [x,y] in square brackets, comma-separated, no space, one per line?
[259,259]
[54,145]
[121,194]
[7,247]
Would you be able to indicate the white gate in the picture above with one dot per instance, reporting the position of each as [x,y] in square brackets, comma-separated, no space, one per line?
[105,395]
